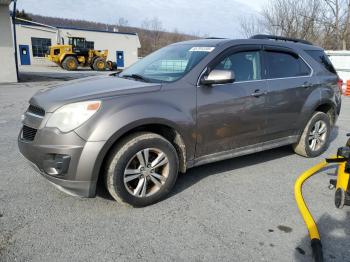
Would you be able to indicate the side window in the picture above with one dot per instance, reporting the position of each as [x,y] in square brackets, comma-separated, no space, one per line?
[322,59]
[280,65]
[246,65]
[304,68]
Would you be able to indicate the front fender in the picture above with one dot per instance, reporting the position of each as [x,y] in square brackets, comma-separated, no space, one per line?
[120,115]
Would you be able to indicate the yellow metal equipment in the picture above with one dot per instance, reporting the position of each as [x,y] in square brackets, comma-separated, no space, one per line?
[78,53]
[342,194]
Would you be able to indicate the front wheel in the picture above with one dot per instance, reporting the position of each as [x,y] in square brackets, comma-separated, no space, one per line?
[142,169]
[315,138]
[70,63]
[99,64]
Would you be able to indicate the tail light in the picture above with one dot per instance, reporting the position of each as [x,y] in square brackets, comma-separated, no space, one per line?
[340,85]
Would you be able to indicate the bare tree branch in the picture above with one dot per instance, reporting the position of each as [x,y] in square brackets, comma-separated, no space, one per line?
[324,22]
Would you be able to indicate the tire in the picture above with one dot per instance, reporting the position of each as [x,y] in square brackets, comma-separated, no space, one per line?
[99,64]
[307,146]
[126,155]
[110,65]
[70,63]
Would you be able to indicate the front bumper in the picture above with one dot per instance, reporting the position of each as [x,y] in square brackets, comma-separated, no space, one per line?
[66,160]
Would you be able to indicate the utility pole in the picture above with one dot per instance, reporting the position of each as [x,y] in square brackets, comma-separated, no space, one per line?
[14,35]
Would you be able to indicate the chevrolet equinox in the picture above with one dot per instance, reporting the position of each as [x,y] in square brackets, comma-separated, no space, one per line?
[185,105]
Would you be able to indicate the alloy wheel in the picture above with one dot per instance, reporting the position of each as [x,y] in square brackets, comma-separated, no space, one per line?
[146,172]
[318,135]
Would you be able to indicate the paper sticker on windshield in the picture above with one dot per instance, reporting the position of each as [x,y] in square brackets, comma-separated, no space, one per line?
[202,49]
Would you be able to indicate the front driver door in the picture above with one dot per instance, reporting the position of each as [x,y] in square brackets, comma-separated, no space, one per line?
[231,116]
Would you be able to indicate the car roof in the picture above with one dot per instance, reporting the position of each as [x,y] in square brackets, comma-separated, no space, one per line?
[225,41]
[205,42]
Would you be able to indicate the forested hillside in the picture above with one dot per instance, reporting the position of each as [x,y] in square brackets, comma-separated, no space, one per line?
[151,33]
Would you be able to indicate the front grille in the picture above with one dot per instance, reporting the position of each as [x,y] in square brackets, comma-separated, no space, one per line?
[28,133]
[36,110]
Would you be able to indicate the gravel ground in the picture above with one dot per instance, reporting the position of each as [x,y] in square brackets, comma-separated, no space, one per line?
[236,210]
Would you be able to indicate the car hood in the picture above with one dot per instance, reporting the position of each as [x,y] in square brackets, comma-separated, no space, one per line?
[87,89]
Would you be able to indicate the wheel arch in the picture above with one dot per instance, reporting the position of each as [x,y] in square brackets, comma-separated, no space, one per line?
[315,103]
[329,104]
[328,108]
[64,56]
[168,131]
[325,106]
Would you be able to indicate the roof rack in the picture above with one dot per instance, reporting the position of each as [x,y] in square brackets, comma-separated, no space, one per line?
[213,37]
[281,38]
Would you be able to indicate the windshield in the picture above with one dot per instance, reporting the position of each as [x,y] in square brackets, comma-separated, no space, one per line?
[167,64]
[77,42]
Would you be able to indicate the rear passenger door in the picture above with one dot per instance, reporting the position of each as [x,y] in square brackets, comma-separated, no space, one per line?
[289,81]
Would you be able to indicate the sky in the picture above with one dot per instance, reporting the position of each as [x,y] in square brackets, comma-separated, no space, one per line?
[217,18]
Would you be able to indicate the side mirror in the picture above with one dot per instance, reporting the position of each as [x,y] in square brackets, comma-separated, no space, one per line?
[218,77]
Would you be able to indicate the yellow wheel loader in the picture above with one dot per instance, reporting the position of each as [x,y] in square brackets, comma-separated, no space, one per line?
[77,53]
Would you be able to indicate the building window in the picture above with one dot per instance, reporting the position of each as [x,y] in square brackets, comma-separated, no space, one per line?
[40,46]
[90,44]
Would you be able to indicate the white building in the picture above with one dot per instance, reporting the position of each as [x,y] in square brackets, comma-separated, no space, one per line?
[7,58]
[33,40]
[341,62]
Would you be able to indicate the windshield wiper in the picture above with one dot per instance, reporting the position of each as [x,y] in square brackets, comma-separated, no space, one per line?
[137,77]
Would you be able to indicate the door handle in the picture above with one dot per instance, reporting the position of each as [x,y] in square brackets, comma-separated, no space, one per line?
[258,93]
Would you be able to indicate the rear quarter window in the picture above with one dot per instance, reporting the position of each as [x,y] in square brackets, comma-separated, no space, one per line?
[321,57]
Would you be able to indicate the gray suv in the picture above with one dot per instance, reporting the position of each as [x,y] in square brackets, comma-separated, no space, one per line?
[185,105]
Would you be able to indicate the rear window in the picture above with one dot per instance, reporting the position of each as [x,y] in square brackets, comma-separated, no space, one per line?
[281,65]
[322,59]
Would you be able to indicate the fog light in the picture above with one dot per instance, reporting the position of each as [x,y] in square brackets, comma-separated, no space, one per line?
[56,164]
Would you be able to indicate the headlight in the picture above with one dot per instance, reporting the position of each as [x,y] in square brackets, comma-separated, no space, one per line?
[73,115]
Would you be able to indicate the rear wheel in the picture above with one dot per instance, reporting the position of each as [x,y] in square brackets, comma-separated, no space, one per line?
[142,169]
[315,138]
[110,65]
[99,64]
[70,63]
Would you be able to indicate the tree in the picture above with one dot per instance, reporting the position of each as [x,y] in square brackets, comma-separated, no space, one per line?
[154,26]
[293,18]
[324,22]
[23,15]
[251,25]
[174,36]
[338,17]
[122,22]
